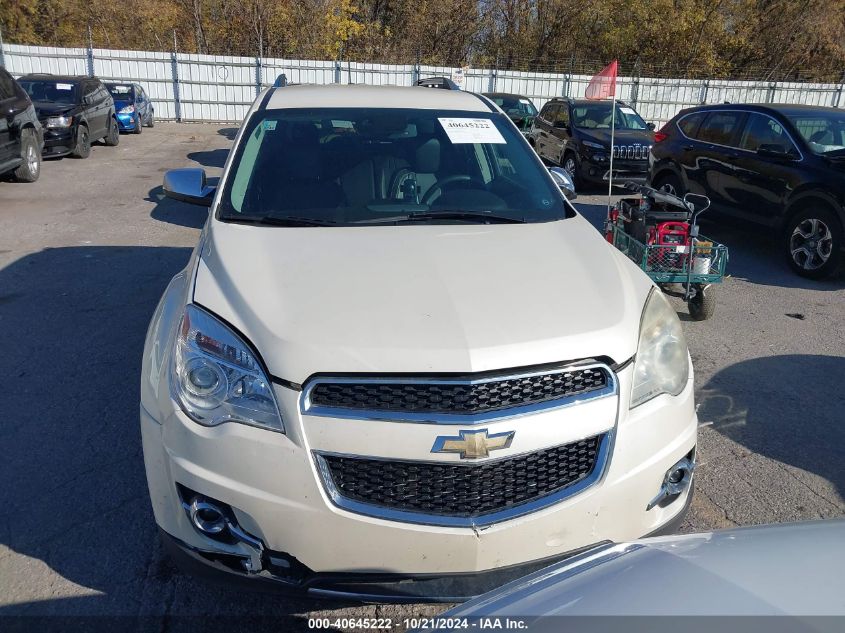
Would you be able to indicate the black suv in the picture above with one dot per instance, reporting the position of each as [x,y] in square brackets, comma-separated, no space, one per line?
[780,166]
[74,110]
[21,135]
[575,134]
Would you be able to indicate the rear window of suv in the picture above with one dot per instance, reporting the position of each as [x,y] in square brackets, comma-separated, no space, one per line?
[720,127]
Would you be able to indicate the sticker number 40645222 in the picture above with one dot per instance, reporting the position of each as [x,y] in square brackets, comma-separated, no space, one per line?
[464,130]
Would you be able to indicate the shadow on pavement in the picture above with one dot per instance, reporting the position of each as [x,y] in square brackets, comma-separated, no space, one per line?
[210,158]
[175,212]
[74,494]
[788,408]
[229,132]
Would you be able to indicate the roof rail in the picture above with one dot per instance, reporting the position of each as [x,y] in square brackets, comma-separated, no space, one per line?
[438,82]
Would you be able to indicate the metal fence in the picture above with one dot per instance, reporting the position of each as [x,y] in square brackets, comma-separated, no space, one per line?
[188,87]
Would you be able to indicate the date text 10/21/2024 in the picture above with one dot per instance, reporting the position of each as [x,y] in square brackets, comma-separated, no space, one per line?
[423,624]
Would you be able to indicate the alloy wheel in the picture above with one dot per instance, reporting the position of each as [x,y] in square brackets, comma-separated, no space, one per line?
[32,161]
[569,166]
[811,244]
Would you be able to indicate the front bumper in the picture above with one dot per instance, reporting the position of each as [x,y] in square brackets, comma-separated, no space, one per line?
[271,483]
[127,122]
[623,170]
[58,142]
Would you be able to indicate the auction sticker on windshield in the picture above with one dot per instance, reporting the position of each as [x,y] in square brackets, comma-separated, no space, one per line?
[460,130]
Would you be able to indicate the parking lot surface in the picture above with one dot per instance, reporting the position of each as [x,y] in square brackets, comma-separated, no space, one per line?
[84,256]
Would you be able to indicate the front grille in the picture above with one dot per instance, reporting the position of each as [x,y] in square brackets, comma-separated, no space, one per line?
[462,490]
[458,397]
[633,152]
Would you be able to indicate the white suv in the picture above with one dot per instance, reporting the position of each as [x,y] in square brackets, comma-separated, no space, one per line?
[398,354]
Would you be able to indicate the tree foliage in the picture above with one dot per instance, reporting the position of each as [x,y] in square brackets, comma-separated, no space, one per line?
[762,38]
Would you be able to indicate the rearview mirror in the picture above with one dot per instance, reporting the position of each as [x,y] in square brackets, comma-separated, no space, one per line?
[564,181]
[188,185]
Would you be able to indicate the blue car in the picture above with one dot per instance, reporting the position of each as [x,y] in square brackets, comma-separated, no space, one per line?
[134,108]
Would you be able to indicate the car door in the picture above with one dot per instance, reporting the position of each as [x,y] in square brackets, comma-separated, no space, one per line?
[543,125]
[141,104]
[560,132]
[97,110]
[7,116]
[713,155]
[764,171]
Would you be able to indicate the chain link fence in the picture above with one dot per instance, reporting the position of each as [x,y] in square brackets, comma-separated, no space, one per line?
[220,88]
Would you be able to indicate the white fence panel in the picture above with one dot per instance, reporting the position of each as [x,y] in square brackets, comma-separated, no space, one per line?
[221,88]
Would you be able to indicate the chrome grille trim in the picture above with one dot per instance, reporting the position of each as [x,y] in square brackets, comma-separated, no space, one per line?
[632,152]
[402,516]
[307,407]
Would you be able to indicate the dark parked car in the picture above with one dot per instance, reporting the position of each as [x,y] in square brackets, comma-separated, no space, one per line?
[519,109]
[74,110]
[780,166]
[575,134]
[21,135]
[134,108]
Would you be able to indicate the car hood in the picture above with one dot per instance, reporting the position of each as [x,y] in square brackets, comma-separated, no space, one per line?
[422,298]
[791,569]
[46,108]
[620,137]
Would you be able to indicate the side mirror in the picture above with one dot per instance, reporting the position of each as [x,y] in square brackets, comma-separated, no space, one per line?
[651,126]
[188,185]
[564,181]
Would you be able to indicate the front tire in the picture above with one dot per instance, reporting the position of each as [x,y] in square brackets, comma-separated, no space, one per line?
[151,119]
[813,241]
[30,168]
[671,184]
[138,124]
[113,137]
[570,164]
[702,306]
[83,143]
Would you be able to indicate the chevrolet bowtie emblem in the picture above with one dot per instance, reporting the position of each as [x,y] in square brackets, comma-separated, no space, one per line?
[472,444]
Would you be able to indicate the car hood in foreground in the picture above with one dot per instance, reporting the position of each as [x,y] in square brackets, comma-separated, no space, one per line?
[422,298]
[791,569]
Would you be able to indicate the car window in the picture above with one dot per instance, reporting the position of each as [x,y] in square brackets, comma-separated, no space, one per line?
[689,124]
[51,91]
[515,106]
[121,92]
[764,130]
[599,115]
[719,127]
[549,113]
[7,85]
[355,166]
[824,131]
[562,115]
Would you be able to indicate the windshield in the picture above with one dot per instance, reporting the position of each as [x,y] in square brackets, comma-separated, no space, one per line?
[596,116]
[50,91]
[823,131]
[376,165]
[121,92]
[515,106]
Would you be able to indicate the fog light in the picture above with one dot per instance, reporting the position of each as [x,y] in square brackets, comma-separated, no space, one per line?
[676,480]
[206,516]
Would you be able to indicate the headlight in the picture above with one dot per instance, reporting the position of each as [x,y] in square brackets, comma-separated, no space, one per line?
[127,109]
[593,145]
[59,121]
[216,378]
[662,364]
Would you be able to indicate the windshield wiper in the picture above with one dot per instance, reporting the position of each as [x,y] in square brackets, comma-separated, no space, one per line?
[445,215]
[284,220]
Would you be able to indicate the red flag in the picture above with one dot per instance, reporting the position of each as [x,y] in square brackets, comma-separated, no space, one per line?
[603,85]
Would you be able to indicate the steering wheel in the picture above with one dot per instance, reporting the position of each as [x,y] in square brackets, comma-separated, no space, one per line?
[438,186]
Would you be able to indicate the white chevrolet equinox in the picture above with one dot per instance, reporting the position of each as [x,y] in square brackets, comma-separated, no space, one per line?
[399,365]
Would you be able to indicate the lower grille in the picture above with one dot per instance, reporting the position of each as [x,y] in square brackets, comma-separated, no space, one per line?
[463,491]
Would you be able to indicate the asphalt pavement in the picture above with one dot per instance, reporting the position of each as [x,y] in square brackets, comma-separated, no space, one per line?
[84,256]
